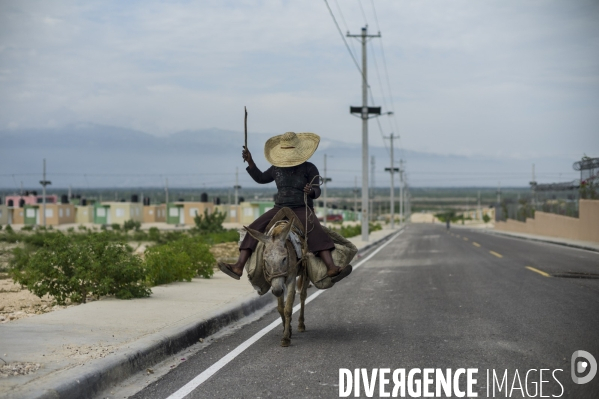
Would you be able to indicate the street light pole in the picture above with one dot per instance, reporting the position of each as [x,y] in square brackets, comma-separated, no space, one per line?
[365,111]
[44,183]
[392,171]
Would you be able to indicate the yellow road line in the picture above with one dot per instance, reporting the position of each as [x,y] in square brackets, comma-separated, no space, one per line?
[542,273]
[475,244]
[496,254]
[465,238]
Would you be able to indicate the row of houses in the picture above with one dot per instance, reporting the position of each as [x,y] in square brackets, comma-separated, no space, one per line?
[28,210]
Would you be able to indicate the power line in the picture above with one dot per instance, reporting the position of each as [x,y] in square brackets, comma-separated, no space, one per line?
[343,37]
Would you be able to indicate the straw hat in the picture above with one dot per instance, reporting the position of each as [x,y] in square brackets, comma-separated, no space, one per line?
[290,149]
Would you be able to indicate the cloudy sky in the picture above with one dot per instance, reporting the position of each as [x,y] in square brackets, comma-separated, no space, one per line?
[505,78]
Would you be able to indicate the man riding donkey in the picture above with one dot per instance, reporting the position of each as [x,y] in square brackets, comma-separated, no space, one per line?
[288,153]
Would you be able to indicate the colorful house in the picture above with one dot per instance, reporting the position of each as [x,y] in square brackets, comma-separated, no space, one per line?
[55,214]
[251,211]
[4,215]
[117,212]
[184,213]
[154,213]
[84,214]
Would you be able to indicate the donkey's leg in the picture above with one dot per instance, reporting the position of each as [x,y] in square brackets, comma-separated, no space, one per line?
[288,310]
[301,327]
[281,308]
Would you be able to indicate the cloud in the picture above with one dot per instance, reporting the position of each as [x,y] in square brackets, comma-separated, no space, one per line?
[493,77]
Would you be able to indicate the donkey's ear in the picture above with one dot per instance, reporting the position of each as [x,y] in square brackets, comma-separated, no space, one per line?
[285,233]
[257,235]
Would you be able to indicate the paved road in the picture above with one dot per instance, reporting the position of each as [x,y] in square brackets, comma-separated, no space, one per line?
[429,299]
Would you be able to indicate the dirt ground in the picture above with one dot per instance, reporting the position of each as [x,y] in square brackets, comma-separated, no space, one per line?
[18,303]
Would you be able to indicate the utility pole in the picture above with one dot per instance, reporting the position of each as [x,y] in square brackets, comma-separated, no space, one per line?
[392,171]
[324,183]
[44,183]
[372,164]
[364,111]
[498,192]
[236,186]
[533,185]
[355,198]
[401,191]
[479,211]
[166,191]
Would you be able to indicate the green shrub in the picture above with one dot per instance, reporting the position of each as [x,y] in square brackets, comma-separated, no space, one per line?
[154,234]
[131,225]
[68,269]
[220,237]
[166,264]
[486,218]
[28,228]
[116,227]
[0,227]
[82,227]
[209,222]
[140,235]
[199,254]
[179,260]
[356,230]
[9,229]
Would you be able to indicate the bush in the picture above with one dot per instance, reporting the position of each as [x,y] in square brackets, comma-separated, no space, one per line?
[179,260]
[9,229]
[209,223]
[154,234]
[486,218]
[27,228]
[199,254]
[116,227]
[356,230]
[131,225]
[68,269]
[165,264]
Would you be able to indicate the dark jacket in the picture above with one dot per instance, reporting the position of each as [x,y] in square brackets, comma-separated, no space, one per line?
[290,183]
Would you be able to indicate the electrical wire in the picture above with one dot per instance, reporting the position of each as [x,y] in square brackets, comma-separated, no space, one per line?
[343,37]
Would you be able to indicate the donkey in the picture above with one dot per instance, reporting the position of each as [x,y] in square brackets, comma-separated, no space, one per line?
[281,267]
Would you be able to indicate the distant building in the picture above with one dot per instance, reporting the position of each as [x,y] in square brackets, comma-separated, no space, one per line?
[19,201]
[84,214]
[55,214]
[184,213]
[117,212]
[4,215]
[154,213]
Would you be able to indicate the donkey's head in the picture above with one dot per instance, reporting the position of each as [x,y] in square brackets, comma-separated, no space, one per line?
[276,257]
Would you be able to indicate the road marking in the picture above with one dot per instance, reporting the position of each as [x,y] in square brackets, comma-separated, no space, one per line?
[465,238]
[457,235]
[210,371]
[542,273]
[496,254]
[475,244]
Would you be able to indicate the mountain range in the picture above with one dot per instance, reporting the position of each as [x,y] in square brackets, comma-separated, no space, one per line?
[90,155]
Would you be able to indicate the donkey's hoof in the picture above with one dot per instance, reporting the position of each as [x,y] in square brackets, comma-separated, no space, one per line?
[285,342]
[301,327]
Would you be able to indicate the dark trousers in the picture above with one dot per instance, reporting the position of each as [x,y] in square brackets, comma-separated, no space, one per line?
[318,239]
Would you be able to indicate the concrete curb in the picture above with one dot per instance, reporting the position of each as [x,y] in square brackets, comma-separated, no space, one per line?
[92,379]
[547,240]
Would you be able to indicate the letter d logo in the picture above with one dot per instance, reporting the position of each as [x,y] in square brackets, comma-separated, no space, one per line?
[582,366]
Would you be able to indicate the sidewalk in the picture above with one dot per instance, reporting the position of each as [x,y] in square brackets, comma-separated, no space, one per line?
[84,349]
[590,246]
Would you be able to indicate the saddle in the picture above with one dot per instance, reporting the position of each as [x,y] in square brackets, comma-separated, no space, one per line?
[316,269]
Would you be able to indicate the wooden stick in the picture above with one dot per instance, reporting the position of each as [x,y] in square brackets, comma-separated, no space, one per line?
[245,123]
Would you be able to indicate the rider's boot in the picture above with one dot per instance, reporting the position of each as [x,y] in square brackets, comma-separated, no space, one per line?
[335,272]
[235,270]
